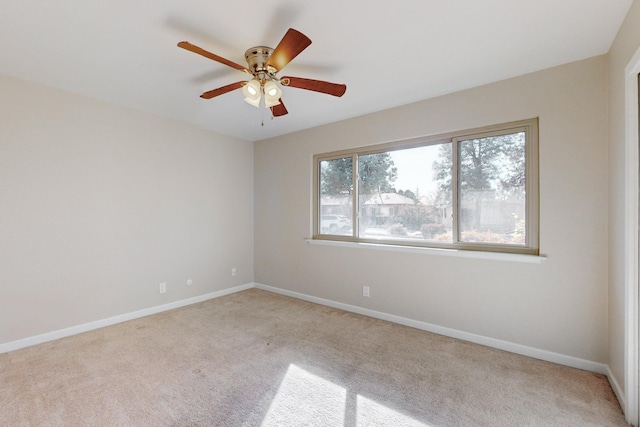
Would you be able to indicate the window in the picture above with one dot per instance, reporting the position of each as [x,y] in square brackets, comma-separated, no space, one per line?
[470,190]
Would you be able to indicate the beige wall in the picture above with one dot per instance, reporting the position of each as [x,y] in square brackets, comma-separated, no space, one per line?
[625,46]
[99,204]
[559,305]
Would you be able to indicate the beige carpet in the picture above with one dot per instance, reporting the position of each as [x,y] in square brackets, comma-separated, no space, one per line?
[260,359]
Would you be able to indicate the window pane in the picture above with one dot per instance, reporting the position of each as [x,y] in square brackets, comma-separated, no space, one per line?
[492,189]
[336,202]
[406,194]
[412,192]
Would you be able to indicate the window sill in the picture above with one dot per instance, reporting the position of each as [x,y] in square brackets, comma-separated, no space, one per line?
[497,256]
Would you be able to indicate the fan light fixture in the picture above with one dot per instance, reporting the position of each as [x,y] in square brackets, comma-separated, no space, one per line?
[252,92]
[272,94]
[254,89]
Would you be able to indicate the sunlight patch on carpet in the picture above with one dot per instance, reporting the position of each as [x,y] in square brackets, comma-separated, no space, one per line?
[306,399]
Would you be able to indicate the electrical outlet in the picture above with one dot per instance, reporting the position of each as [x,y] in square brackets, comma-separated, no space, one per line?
[189,282]
[365,291]
[162,288]
[234,271]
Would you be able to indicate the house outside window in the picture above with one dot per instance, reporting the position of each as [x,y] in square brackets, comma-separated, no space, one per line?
[470,190]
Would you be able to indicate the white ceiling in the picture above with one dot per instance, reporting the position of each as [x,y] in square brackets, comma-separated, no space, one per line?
[387,53]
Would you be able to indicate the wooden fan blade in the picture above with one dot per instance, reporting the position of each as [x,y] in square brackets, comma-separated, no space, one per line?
[200,51]
[315,85]
[279,110]
[289,47]
[222,90]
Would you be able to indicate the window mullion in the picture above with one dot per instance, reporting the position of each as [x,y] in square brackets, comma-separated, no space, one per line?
[532,187]
[455,229]
[355,214]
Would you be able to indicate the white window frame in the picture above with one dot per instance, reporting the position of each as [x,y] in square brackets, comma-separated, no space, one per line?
[531,246]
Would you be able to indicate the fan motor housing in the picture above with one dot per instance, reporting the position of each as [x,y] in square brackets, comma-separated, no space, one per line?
[257,58]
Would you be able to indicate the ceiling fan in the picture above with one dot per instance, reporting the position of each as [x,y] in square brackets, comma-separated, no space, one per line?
[263,65]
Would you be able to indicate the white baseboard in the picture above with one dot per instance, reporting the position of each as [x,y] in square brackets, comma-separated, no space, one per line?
[617,390]
[62,333]
[535,353]
[549,356]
